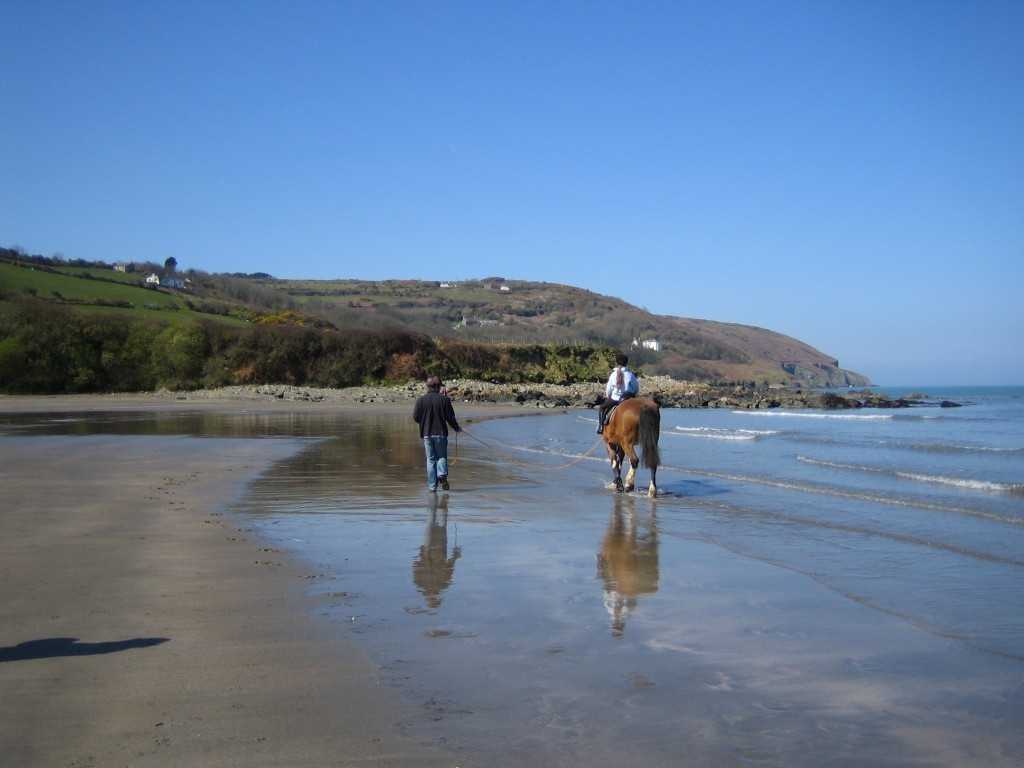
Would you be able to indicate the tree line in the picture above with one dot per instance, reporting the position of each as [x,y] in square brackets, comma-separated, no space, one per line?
[47,348]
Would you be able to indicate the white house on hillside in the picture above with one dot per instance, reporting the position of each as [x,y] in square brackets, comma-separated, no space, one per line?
[651,344]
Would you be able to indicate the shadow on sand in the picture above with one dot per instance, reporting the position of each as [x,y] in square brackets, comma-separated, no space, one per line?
[53,647]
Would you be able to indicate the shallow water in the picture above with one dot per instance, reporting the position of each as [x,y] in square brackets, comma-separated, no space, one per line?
[807,590]
[765,608]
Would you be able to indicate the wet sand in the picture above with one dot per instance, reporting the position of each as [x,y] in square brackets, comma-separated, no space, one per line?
[141,627]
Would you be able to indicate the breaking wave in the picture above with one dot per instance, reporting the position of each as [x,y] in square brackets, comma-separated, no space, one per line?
[819,415]
[716,433]
[957,482]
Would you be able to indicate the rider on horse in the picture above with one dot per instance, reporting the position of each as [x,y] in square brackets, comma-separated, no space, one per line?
[622,385]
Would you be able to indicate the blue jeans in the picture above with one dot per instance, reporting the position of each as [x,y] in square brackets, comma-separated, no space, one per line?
[436,448]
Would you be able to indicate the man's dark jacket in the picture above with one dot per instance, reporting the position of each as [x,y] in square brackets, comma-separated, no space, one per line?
[433,412]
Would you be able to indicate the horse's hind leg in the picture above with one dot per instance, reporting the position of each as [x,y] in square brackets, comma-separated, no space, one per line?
[652,490]
[634,462]
[615,453]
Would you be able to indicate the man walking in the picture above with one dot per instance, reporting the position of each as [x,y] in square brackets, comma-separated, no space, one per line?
[434,413]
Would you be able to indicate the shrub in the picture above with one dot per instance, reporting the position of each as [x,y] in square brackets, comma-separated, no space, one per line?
[178,357]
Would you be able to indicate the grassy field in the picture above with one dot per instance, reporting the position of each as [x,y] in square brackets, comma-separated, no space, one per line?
[100,295]
[128,278]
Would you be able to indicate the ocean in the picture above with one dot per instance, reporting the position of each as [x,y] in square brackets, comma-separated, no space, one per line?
[841,588]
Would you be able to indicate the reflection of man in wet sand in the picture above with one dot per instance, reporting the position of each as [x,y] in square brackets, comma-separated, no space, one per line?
[627,562]
[433,570]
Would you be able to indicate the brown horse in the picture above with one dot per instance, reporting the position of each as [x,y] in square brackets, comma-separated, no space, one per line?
[634,421]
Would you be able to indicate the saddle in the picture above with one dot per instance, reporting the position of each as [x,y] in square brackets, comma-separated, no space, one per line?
[610,412]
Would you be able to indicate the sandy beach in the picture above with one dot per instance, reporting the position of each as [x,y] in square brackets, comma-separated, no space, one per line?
[140,627]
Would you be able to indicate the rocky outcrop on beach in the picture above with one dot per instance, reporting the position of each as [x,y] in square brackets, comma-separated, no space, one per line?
[670,393]
[678,394]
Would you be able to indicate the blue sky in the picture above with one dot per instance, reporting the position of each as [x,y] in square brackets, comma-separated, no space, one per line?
[848,173]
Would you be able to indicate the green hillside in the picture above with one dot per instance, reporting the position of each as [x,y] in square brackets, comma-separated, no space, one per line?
[475,317]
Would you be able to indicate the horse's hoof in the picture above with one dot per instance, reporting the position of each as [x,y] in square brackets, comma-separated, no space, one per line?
[629,488]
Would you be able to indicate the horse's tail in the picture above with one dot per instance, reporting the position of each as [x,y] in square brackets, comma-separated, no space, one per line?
[650,431]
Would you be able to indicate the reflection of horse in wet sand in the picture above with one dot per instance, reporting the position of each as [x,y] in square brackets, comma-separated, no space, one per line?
[636,421]
[627,562]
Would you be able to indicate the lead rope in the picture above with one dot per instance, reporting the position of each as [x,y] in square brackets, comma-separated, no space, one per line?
[514,460]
